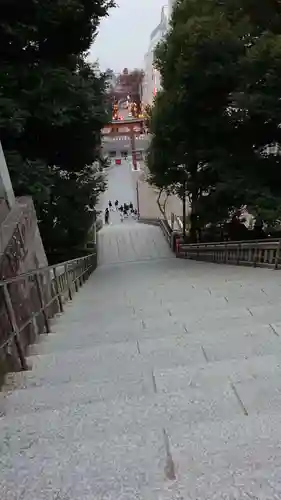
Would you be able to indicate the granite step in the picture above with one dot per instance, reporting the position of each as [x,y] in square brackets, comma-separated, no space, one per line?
[237,458]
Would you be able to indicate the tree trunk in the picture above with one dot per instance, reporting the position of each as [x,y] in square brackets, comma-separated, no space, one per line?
[184,211]
[193,201]
[193,227]
[159,204]
[193,218]
[164,206]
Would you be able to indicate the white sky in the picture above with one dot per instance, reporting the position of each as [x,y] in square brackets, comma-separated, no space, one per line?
[123,37]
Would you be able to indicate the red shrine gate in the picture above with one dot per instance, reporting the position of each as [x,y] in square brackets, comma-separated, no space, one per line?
[131,128]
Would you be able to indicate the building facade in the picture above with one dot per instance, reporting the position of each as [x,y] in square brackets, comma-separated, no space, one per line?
[152,81]
[170,7]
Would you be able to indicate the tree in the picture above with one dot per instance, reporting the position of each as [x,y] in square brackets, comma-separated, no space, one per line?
[53,105]
[72,199]
[193,100]
[217,64]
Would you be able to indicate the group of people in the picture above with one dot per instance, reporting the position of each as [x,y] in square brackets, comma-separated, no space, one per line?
[125,210]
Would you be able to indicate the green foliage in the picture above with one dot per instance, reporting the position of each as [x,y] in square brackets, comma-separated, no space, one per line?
[53,105]
[73,199]
[219,109]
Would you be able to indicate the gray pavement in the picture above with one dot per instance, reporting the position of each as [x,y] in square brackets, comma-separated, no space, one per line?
[162,381]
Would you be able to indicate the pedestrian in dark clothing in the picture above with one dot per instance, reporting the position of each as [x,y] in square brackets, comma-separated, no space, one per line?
[106,216]
[116,204]
[110,205]
[131,207]
[126,207]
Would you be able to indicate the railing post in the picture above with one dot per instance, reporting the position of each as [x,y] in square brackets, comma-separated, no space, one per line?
[225,253]
[238,254]
[68,281]
[75,276]
[277,257]
[57,289]
[13,321]
[42,303]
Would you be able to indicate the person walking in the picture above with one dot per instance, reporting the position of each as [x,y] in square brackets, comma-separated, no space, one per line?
[116,205]
[106,216]
[110,205]
[131,207]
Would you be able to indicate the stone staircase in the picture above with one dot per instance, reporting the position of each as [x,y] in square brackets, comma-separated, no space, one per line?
[162,380]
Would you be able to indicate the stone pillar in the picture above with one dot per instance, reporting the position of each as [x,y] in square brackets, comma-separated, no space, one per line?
[6,188]
[133,147]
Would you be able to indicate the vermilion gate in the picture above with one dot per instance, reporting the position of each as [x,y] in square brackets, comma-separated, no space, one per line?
[131,128]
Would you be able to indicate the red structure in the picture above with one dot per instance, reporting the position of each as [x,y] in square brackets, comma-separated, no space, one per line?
[131,128]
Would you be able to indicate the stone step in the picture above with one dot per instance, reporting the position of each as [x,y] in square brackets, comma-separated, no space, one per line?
[228,341]
[181,409]
[135,317]
[119,467]
[104,361]
[238,459]
[51,397]
[216,459]
[163,381]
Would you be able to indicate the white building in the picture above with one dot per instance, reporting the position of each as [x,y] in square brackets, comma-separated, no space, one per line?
[151,81]
[170,7]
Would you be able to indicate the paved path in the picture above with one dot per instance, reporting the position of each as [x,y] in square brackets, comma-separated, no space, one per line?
[121,186]
[130,242]
[162,381]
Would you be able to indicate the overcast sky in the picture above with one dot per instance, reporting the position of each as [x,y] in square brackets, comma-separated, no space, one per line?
[123,37]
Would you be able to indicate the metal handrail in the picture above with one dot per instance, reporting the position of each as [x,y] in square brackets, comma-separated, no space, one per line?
[28,301]
[43,269]
[265,252]
[228,242]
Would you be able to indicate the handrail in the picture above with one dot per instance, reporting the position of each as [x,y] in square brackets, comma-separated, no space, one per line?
[262,253]
[45,268]
[229,242]
[28,301]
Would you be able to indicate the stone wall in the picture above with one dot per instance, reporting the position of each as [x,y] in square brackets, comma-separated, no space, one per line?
[21,250]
